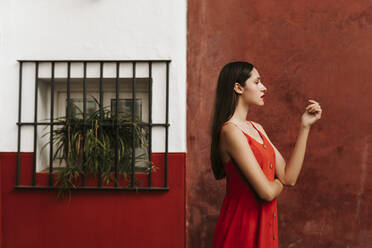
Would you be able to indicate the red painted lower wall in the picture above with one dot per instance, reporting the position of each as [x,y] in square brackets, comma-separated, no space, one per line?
[36,218]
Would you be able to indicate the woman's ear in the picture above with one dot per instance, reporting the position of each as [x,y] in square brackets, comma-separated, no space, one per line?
[238,88]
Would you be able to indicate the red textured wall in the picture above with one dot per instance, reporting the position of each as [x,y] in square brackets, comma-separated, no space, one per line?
[35,218]
[319,50]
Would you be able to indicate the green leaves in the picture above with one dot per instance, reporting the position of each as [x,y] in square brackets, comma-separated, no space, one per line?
[89,148]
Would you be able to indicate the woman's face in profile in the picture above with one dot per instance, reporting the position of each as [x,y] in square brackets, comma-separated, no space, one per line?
[253,90]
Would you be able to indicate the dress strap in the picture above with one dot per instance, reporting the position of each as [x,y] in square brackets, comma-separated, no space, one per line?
[254,126]
[261,134]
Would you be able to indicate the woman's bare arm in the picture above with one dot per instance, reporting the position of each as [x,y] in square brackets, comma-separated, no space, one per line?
[238,148]
[288,172]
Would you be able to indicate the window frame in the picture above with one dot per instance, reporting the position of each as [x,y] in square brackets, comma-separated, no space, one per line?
[52,123]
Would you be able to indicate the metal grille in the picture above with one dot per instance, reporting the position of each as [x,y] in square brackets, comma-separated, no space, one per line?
[53,123]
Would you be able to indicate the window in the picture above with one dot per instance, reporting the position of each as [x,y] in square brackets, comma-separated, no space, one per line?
[79,104]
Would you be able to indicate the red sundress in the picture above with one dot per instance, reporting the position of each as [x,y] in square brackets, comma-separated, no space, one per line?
[246,220]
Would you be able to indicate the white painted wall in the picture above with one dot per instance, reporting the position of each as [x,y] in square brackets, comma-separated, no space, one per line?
[92,29]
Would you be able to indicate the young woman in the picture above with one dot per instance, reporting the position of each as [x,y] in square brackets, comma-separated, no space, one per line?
[255,170]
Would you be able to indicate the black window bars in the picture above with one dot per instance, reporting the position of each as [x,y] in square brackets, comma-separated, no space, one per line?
[52,123]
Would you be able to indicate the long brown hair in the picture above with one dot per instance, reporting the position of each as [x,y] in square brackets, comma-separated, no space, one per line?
[224,107]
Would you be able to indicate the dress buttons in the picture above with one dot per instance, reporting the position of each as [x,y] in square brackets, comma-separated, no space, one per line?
[265,146]
[271,165]
[274,237]
[274,214]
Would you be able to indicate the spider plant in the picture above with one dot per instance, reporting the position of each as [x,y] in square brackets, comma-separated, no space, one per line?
[91,147]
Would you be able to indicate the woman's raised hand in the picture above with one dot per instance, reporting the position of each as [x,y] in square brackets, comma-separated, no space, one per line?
[312,114]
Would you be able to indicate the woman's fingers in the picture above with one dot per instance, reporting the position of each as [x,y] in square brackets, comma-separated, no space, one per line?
[313,104]
[315,109]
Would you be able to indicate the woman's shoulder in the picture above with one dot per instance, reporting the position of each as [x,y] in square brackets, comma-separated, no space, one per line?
[231,131]
[228,126]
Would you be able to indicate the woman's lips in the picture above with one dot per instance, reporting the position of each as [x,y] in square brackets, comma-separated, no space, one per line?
[263,96]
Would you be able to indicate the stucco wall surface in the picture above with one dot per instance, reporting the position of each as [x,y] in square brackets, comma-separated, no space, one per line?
[303,50]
